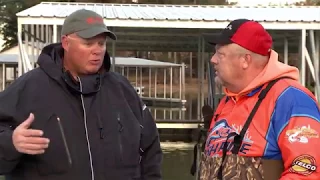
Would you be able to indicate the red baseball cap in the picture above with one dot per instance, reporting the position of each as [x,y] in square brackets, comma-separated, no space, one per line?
[248,34]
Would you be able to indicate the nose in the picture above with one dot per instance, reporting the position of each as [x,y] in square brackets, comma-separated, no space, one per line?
[214,59]
[98,50]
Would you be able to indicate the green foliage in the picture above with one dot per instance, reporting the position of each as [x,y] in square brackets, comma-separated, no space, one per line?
[309,3]
[8,20]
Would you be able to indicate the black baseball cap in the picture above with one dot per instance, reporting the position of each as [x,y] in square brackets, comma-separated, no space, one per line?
[248,34]
[86,24]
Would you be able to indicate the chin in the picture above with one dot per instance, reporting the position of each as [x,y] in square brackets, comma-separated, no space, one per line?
[93,70]
[90,71]
[218,81]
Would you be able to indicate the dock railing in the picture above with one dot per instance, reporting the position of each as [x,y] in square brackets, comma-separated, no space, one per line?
[157,84]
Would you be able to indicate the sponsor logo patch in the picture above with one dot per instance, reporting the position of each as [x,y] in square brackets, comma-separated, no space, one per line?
[218,135]
[304,164]
[301,134]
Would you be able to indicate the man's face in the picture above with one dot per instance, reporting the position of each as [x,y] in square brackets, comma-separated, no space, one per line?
[85,56]
[228,65]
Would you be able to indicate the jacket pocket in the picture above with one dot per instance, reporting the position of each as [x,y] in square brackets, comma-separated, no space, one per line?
[129,133]
[57,158]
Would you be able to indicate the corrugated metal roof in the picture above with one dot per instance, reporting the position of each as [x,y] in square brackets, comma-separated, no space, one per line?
[177,12]
[119,61]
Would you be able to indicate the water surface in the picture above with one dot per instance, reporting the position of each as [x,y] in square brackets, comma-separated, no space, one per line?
[177,161]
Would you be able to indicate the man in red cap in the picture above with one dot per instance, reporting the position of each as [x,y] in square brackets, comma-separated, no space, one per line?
[267,126]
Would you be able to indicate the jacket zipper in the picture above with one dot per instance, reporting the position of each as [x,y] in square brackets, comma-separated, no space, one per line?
[86,129]
[64,141]
[119,135]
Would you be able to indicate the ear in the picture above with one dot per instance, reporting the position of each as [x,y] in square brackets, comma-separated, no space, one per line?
[246,60]
[65,43]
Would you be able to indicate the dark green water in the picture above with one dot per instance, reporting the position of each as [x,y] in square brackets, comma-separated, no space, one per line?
[177,161]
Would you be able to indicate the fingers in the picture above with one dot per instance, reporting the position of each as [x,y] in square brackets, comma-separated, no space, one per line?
[35,140]
[32,145]
[29,141]
[27,123]
[31,133]
[35,147]
[32,152]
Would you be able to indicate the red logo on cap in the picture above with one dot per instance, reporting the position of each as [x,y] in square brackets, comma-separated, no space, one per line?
[94,20]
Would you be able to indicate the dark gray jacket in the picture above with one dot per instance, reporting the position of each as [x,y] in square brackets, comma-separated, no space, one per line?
[110,134]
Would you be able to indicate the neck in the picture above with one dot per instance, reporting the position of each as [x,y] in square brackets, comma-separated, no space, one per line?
[67,67]
[244,81]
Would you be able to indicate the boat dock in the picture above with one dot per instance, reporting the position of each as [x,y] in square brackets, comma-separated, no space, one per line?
[163,49]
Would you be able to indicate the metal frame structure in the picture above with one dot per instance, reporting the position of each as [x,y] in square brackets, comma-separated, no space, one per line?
[166,93]
[157,74]
[181,28]
[5,80]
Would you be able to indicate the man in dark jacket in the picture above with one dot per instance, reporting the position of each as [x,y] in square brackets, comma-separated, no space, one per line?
[72,119]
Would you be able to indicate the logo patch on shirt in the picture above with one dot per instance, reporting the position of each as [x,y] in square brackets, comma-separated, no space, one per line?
[301,134]
[218,135]
[304,164]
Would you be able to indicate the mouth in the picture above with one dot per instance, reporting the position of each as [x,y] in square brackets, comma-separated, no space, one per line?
[96,61]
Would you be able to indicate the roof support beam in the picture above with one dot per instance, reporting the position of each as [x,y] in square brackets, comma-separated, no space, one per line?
[188,24]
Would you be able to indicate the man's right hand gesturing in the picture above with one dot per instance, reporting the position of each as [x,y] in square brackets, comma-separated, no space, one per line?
[29,141]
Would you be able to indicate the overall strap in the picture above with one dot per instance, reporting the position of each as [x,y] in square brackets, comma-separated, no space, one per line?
[238,138]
